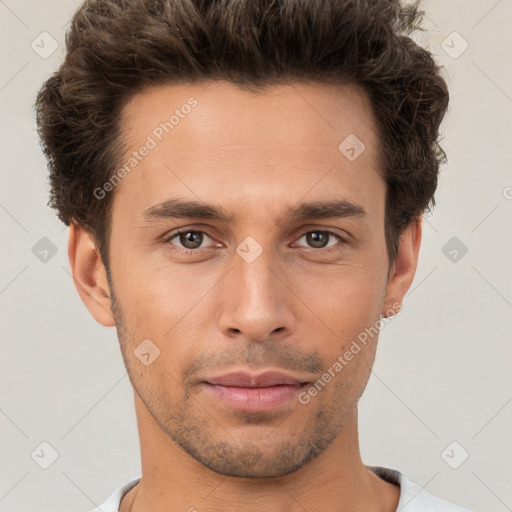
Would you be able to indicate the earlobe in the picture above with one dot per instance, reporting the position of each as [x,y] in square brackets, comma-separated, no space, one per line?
[89,275]
[403,269]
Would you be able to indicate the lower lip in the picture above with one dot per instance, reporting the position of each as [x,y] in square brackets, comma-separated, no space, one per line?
[254,399]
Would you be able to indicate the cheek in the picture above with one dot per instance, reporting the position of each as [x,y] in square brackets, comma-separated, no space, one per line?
[167,308]
[348,302]
[345,297]
[160,296]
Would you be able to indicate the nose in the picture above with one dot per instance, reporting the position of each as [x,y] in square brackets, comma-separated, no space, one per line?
[257,304]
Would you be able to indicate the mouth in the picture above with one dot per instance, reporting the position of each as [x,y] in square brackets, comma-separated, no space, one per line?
[254,393]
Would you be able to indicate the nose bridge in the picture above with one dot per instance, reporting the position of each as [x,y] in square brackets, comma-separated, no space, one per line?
[254,272]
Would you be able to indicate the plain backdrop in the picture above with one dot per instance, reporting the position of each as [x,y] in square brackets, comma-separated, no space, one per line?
[441,389]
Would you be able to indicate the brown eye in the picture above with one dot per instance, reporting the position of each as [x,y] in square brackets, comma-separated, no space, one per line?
[191,239]
[319,239]
[188,239]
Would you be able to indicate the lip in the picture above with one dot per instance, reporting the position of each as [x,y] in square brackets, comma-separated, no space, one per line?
[254,393]
[247,380]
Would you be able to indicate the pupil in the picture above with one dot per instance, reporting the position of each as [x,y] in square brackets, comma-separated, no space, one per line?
[191,237]
[317,239]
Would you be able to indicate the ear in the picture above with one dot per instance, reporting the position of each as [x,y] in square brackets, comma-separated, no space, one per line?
[89,275]
[403,269]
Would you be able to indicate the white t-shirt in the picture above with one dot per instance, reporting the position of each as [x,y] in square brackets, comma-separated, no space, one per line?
[412,497]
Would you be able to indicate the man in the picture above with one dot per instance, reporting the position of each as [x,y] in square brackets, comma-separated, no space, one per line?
[244,183]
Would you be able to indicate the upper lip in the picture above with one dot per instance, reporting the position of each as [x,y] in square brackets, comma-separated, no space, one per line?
[247,380]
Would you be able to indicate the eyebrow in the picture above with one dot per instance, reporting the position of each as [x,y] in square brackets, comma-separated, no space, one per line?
[179,209]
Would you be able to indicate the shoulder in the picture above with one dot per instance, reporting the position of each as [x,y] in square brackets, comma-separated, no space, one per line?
[414,498]
[114,500]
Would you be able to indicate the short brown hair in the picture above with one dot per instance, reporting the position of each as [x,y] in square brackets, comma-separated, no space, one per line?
[116,48]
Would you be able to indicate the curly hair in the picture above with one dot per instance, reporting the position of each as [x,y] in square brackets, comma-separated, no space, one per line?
[116,48]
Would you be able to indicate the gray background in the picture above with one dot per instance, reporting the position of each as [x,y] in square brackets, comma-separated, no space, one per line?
[442,372]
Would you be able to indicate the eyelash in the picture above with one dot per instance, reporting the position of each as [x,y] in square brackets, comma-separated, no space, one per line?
[176,233]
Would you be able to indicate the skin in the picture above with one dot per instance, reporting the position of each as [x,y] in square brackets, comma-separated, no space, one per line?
[295,308]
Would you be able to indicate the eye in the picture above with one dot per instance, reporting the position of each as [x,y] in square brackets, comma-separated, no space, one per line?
[190,239]
[318,239]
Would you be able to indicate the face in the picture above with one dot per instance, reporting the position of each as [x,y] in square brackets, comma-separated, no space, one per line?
[247,254]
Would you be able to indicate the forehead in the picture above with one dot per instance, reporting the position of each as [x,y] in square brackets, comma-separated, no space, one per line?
[223,110]
[216,138]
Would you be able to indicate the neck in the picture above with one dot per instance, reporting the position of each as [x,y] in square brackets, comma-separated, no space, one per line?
[174,481]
